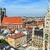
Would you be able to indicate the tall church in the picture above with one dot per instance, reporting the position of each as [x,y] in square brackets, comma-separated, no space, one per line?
[2,14]
[46,42]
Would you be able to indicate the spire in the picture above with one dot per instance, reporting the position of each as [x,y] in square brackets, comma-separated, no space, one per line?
[48,10]
[48,2]
[4,10]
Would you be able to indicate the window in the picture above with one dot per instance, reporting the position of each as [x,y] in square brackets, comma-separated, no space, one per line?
[11,41]
[37,40]
[46,37]
[47,30]
[46,22]
[48,10]
[47,26]
[45,48]
[48,19]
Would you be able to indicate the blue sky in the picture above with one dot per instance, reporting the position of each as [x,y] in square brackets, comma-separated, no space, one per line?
[24,7]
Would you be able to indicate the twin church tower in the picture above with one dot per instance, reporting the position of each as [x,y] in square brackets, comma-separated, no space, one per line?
[2,14]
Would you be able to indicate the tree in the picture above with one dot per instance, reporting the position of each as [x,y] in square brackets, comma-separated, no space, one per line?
[3,41]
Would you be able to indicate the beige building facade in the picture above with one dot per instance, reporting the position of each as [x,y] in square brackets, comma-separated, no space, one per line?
[16,40]
[37,39]
[46,42]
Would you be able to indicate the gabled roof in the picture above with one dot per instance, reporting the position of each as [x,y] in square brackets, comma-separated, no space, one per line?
[12,20]
[16,35]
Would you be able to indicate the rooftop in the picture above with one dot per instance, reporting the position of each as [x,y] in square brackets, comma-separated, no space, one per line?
[12,20]
[14,36]
[38,32]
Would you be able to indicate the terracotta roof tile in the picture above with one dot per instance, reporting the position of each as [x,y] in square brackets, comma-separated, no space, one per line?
[16,35]
[40,22]
[12,20]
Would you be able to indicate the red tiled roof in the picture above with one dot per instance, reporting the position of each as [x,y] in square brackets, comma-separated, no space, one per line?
[39,23]
[12,20]
[16,35]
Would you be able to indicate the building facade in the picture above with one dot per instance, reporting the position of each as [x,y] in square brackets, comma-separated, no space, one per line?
[16,40]
[10,22]
[46,42]
[13,22]
[37,38]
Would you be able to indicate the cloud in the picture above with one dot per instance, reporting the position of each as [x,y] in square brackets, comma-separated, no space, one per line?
[24,7]
[24,10]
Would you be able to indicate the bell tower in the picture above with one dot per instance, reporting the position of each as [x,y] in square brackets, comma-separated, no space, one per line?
[0,15]
[4,12]
[46,38]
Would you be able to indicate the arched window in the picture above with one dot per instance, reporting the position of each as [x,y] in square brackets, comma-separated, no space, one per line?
[46,37]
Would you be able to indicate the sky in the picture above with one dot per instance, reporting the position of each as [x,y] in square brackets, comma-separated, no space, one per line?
[25,7]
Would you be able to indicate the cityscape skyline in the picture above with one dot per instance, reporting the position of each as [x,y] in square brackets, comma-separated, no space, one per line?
[25,7]
[24,24]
